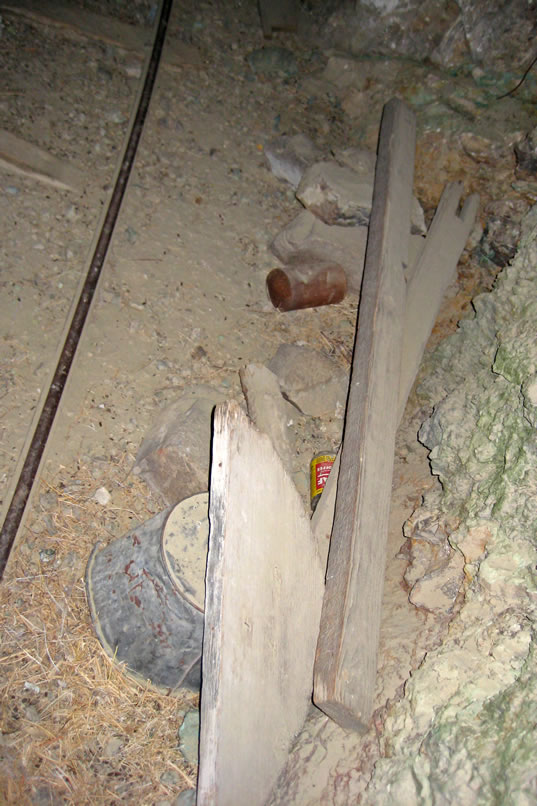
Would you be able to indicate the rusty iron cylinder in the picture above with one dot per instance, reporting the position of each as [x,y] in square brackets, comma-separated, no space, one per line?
[307,285]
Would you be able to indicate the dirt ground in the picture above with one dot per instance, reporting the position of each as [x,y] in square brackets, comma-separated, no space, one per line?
[181,302]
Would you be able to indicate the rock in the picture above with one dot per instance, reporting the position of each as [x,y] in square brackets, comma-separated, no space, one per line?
[273,60]
[310,380]
[186,798]
[335,194]
[486,32]
[308,235]
[278,15]
[345,72]
[170,778]
[32,714]
[526,156]
[48,500]
[288,157]
[386,27]
[339,194]
[495,30]
[483,150]
[353,103]
[113,746]
[174,457]
[45,796]
[361,160]
[189,737]
[502,229]
[437,592]
[102,496]
[435,573]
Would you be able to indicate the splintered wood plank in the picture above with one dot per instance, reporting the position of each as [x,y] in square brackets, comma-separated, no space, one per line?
[428,281]
[434,271]
[264,589]
[79,22]
[346,661]
[21,157]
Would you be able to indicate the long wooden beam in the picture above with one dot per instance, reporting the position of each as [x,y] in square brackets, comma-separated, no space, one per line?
[346,659]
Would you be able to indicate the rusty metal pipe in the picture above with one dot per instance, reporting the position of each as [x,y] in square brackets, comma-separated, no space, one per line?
[307,285]
[35,452]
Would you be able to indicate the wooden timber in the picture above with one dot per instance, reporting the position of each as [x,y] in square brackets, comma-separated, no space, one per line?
[346,659]
[263,600]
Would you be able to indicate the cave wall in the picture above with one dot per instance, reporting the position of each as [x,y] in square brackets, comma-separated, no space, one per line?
[498,34]
[465,729]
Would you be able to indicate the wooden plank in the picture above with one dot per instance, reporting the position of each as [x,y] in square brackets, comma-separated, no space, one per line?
[434,271]
[87,24]
[346,660]
[263,600]
[428,280]
[83,22]
[21,157]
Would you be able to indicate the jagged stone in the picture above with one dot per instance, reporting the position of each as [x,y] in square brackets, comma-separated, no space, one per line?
[335,194]
[174,457]
[340,194]
[308,235]
[288,157]
[310,380]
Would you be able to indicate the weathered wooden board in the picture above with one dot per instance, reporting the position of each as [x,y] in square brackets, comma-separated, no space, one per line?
[428,280]
[434,271]
[79,22]
[264,589]
[346,661]
[21,157]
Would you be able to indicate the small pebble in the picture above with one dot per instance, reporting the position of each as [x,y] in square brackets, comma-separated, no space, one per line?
[48,500]
[170,778]
[113,746]
[102,496]
[46,555]
[115,117]
[32,714]
[186,798]
[189,737]
[133,70]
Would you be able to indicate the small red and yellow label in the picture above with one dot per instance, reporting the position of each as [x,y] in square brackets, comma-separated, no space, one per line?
[320,468]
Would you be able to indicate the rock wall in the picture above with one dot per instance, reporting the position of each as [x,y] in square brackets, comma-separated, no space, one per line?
[465,729]
[495,33]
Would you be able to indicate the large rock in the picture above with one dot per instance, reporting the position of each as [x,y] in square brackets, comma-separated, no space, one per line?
[343,194]
[494,33]
[288,157]
[308,235]
[336,194]
[174,457]
[310,380]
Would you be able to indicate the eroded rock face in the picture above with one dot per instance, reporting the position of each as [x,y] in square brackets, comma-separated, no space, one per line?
[487,31]
[464,732]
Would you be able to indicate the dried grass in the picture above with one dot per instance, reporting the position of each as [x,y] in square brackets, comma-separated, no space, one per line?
[75,728]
